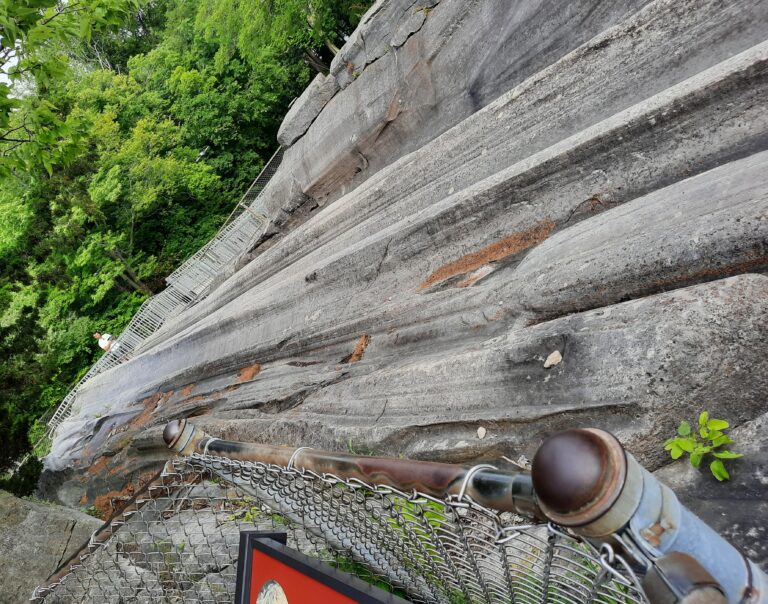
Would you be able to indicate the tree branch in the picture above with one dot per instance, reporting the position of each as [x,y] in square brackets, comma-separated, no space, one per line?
[137,286]
[69,9]
[332,47]
[4,135]
[11,149]
[129,274]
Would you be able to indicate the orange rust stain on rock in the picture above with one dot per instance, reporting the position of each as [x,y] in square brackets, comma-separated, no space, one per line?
[83,499]
[499,314]
[475,276]
[187,390]
[511,244]
[98,466]
[116,470]
[150,404]
[248,373]
[471,280]
[104,505]
[145,478]
[359,351]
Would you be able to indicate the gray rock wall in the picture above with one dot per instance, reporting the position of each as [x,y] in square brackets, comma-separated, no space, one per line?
[489,183]
[35,538]
[413,69]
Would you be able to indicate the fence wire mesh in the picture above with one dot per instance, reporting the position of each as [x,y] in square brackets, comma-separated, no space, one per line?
[180,543]
[188,284]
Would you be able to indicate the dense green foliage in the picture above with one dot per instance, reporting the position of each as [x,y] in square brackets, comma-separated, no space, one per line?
[106,108]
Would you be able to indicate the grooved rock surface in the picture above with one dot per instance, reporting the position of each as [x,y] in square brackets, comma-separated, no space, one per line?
[304,111]
[475,188]
[35,539]
[414,68]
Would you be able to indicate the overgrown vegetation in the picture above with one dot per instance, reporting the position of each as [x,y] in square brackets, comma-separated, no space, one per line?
[708,440]
[128,129]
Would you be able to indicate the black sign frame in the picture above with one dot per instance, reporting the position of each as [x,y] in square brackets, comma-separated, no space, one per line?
[273,544]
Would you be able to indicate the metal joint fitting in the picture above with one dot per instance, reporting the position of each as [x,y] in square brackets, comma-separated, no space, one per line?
[586,481]
[178,436]
[679,579]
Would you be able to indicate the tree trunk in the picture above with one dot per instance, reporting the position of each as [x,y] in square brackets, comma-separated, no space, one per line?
[135,284]
[129,275]
[332,47]
[315,62]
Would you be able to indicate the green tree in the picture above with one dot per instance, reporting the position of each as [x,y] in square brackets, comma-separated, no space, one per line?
[33,35]
[286,29]
[139,127]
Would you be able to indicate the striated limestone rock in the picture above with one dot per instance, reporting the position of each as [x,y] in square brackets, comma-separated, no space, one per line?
[699,229]
[414,69]
[475,186]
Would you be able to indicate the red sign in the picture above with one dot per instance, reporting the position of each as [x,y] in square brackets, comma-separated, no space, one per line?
[270,573]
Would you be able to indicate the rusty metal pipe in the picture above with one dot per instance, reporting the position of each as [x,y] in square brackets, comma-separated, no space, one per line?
[585,480]
[510,491]
[308,513]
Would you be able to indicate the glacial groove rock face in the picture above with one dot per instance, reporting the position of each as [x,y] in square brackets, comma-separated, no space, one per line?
[474,187]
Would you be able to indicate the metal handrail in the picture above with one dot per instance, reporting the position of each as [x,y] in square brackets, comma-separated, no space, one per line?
[582,481]
[586,524]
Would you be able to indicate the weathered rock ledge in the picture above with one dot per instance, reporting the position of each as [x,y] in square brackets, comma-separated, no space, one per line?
[36,538]
[473,187]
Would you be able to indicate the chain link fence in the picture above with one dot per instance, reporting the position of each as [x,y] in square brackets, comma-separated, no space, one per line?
[179,543]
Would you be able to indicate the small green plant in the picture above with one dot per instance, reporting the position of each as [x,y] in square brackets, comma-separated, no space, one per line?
[278,520]
[708,441]
[91,511]
[217,480]
[252,514]
[37,500]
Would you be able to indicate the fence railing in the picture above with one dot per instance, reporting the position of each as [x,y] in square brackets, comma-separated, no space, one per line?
[181,543]
[431,544]
[187,285]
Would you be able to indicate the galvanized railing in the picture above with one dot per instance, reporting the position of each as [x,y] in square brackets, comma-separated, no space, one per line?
[187,285]
[429,532]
